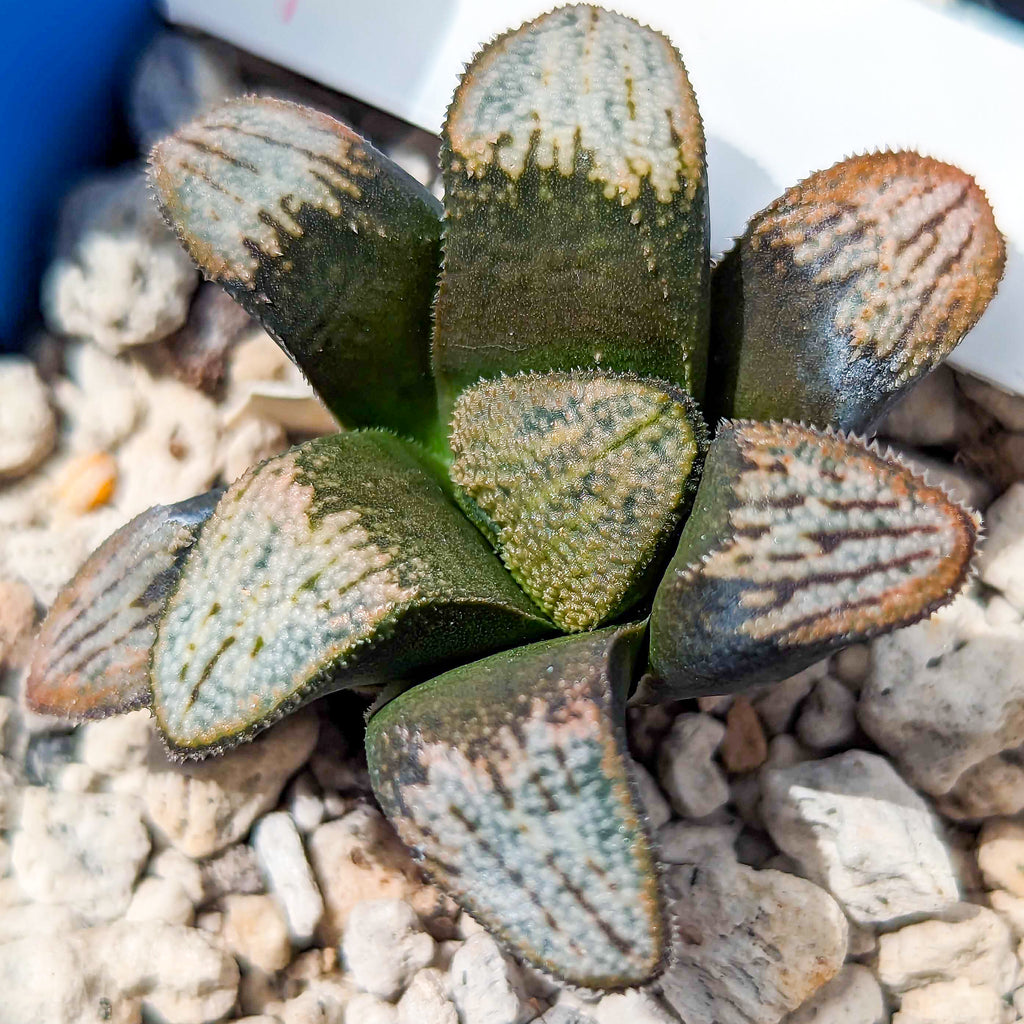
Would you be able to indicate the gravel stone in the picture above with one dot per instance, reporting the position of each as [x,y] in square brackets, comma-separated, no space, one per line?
[384,946]
[17,622]
[1001,562]
[160,899]
[255,932]
[28,428]
[201,807]
[744,747]
[426,1001]
[695,785]
[952,1002]
[651,797]
[754,944]
[1001,855]
[486,986]
[927,414]
[367,1009]
[858,829]
[828,717]
[113,745]
[683,842]
[81,850]
[637,1007]
[282,860]
[853,996]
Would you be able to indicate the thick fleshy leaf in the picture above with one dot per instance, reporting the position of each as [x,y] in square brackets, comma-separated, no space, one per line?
[579,480]
[508,779]
[576,198]
[343,562]
[91,656]
[801,541]
[331,246]
[849,288]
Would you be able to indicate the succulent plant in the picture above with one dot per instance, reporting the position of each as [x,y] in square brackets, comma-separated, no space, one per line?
[519,480]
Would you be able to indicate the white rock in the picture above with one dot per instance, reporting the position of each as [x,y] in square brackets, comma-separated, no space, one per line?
[28,428]
[828,717]
[651,796]
[367,1009]
[234,870]
[695,785]
[17,624]
[486,987]
[305,803]
[426,1000]
[565,1014]
[990,788]
[30,919]
[776,704]
[927,414]
[1011,909]
[853,996]
[115,744]
[160,899]
[952,1002]
[176,79]
[634,1006]
[1006,407]
[859,830]
[46,558]
[384,946]
[1001,855]
[852,665]
[201,807]
[974,944]
[785,751]
[683,842]
[120,276]
[167,971]
[753,944]
[1001,562]
[101,398]
[359,857]
[945,694]
[248,441]
[282,859]
[256,933]
[81,850]
[174,866]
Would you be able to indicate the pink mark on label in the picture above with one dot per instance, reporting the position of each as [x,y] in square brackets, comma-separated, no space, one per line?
[288,9]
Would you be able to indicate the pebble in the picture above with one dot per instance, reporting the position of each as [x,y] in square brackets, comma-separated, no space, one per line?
[117,744]
[17,621]
[1001,855]
[255,931]
[235,870]
[28,427]
[852,665]
[952,1002]
[744,747]
[991,788]
[853,996]
[367,1009]
[282,860]
[173,866]
[1005,406]
[166,972]
[425,1000]
[683,842]
[777,704]
[201,807]
[175,80]
[160,899]
[82,850]
[86,482]
[753,945]
[651,797]
[359,857]
[972,943]
[304,802]
[636,1007]
[927,414]
[249,441]
[120,277]
[1011,909]
[945,694]
[486,986]
[828,717]
[858,829]
[384,946]
[694,783]
[565,1014]
[1001,562]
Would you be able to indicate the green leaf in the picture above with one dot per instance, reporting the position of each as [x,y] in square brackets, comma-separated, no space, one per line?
[801,541]
[341,563]
[579,480]
[576,197]
[849,288]
[331,246]
[91,656]
[508,779]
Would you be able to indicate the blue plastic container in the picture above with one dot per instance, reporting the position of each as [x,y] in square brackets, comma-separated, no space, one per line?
[65,66]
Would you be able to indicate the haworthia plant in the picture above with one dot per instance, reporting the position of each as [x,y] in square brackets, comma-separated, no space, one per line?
[578,479]
[577,207]
[565,440]
[849,287]
[91,656]
[800,541]
[508,779]
[324,240]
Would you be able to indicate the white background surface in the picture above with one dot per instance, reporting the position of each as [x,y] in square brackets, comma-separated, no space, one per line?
[785,87]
